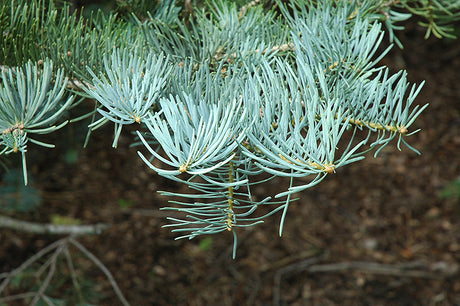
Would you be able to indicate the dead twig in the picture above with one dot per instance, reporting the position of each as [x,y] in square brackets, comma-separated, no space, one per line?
[46,228]
[296,267]
[44,285]
[58,248]
[424,270]
[8,276]
[19,296]
[73,275]
[414,269]
[103,268]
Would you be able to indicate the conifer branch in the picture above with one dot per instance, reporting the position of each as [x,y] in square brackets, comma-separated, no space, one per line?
[219,98]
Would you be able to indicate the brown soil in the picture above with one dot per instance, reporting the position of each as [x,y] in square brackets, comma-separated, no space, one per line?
[386,210]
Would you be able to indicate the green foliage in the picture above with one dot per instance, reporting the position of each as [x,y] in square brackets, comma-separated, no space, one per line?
[14,196]
[71,156]
[34,30]
[164,10]
[205,244]
[451,190]
[30,104]
[438,15]
[125,203]
[129,91]
[222,96]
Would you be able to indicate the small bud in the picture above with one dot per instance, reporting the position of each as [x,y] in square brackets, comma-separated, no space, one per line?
[329,168]
[403,130]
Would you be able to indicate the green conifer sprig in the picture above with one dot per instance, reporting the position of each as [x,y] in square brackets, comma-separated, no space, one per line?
[218,35]
[223,96]
[439,15]
[32,100]
[296,113]
[128,88]
[36,30]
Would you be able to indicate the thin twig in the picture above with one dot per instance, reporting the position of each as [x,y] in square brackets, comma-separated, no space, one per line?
[404,270]
[47,300]
[219,55]
[415,269]
[59,246]
[49,276]
[19,296]
[283,262]
[47,228]
[48,262]
[30,261]
[73,274]
[103,268]
[77,84]
[298,266]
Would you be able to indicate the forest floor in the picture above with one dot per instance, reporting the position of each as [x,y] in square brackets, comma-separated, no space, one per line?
[383,231]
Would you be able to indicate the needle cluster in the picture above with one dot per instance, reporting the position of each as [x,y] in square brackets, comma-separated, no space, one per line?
[224,97]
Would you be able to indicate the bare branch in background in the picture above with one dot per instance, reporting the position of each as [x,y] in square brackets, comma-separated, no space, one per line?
[46,228]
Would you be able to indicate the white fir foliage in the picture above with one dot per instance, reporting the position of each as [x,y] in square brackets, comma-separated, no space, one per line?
[32,99]
[223,101]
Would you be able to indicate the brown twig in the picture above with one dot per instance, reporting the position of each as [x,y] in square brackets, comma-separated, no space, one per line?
[403,269]
[297,267]
[44,285]
[19,296]
[73,274]
[414,269]
[8,276]
[60,247]
[103,268]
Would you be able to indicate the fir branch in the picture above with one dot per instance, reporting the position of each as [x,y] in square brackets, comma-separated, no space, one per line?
[128,89]
[244,8]
[30,104]
[440,15]
[227,95]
